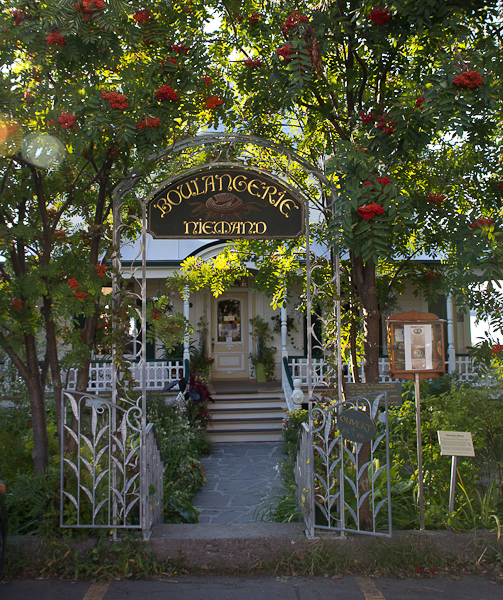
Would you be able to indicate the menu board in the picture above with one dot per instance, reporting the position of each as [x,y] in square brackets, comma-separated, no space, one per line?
[416,347]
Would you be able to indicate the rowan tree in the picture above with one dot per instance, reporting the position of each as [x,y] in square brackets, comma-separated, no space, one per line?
[369,90]
[89,90]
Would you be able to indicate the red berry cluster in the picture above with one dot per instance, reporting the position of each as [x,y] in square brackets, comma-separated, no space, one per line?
[379,16]
[497,348]
[285,51]
[500,185]
[67,121]
[156,314]
[253,63]
[100,270]
[89,7]
[74,284]
[56,39]
[143,16]
[469,80]
[386,124]
[419,102]
[367,117]
[118,101]
[16,304]
[481,223]
[59,234]
[206,80]
[213,102]
[292,21]
[181,48]
[149,122]
[432,275]
[254,18]
[383,180]
[437,198]
[370,210]
[18,16]
[166,92]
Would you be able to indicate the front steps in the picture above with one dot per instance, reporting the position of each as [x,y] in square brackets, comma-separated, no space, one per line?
[252,417]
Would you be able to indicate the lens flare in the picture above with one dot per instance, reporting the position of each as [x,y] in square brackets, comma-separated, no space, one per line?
[11,136]
[43,150]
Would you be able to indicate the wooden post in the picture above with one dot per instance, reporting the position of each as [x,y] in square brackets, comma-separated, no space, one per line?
[419,454]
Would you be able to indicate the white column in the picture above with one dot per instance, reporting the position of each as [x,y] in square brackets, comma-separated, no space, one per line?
[186,314]
[284,351]
[451,350]
[284,331]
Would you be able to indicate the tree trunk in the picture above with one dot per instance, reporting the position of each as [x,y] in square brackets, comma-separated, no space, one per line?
[365,281]
[30,372]
[53,358]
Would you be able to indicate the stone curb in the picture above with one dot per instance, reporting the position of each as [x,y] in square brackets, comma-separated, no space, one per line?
[231,545]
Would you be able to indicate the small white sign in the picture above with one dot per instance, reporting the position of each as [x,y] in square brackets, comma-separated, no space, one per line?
[456,443]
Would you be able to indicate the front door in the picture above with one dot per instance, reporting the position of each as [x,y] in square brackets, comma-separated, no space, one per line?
[230,336]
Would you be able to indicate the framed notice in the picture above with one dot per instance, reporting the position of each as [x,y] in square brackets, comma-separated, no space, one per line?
[416,345]
[456,443]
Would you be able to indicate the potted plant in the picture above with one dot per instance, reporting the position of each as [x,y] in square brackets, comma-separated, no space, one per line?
[263,356]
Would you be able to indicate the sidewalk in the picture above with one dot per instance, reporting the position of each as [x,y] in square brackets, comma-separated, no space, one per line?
[239,476]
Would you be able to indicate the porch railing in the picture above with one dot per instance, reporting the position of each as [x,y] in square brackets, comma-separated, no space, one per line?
[159,373]
[298,369]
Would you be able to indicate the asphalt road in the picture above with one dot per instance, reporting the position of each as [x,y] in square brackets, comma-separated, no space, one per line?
[347,587]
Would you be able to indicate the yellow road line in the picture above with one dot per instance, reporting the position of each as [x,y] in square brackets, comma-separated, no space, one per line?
[369,589]
[96,591]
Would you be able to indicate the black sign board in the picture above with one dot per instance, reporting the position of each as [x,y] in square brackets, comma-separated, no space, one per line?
[229,203]
[352,390]
[356,426]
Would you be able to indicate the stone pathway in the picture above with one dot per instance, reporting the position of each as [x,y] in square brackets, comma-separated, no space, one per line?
[239,476]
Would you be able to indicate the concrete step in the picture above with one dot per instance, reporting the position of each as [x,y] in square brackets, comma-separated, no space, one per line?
[250,417]
[248,403]
[270,411]
[242,424]
[245,435]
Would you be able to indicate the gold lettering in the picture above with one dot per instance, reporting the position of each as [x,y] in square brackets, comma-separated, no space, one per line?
[279,199]
[251,227]
[241,183]
[194,227]
[252,185]
[288,204]
[264,227]
[172,201]
[267,192]
[205,225]
[237,229]
[190,192]
[209,180]
[221,178]
[163,205]
[196,187]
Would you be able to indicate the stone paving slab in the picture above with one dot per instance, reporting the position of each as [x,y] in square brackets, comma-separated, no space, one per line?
[240,475]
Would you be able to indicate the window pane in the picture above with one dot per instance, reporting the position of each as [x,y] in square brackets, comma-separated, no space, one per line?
[229,321]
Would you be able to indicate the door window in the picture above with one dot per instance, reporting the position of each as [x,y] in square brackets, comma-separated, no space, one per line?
[229,321]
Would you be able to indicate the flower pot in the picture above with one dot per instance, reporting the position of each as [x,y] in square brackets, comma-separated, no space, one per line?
[260,373]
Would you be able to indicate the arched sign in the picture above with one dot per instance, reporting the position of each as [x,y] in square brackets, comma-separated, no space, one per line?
[226,202]
[356,425]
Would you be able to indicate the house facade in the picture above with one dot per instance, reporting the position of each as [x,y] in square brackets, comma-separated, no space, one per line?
[229,338]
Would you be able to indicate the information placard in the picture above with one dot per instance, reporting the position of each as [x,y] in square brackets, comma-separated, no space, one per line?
[394,390]
[455,443]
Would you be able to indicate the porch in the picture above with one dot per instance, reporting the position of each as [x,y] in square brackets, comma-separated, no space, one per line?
[162,372]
